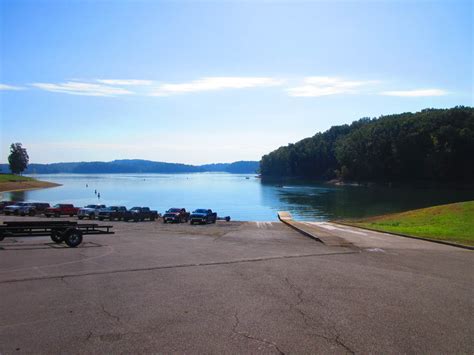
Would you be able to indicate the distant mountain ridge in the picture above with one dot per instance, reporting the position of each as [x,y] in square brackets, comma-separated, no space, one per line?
[137,166]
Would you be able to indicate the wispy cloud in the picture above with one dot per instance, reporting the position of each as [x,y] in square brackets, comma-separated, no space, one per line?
[10,87]
[215,83]
[415,93]
[83,88]
[125,82]
[315,86]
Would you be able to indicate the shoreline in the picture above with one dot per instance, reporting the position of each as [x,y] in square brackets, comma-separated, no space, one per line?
[14,186]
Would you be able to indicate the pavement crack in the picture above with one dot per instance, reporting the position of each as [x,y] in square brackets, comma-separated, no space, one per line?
[89,336]
[340,343]
[251,337]
[165,267]
[117,318]
[63,279]
[308,320]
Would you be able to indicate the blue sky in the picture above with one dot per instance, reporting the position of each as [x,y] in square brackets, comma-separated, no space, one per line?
[200,82]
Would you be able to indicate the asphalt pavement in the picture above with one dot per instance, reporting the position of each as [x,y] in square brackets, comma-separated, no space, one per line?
[233,287]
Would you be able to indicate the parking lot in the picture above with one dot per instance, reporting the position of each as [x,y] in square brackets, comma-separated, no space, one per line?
[232,287]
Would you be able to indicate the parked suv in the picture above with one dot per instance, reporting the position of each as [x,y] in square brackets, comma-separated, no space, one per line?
[61,210]
[33,208]
[90,211]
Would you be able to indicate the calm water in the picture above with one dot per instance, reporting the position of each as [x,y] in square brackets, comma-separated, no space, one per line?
[243,197]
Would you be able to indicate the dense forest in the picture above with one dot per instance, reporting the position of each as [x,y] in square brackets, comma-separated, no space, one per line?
[434,145]
[136,166]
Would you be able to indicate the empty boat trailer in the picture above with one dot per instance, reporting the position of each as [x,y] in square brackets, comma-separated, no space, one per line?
[69,232]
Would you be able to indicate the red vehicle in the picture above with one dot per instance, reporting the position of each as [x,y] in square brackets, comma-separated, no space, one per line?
[61,210]
[176,215]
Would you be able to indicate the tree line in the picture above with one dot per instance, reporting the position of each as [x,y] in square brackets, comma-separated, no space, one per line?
[18,164]
[433,144]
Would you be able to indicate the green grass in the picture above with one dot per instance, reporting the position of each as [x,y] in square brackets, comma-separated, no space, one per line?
[453,222]
[14,178]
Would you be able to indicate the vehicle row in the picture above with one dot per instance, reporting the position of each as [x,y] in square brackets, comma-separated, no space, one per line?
[111,213]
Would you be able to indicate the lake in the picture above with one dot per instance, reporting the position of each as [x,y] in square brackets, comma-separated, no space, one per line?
[243,197]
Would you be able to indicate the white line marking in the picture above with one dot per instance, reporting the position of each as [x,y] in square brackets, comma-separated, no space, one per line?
[332,227]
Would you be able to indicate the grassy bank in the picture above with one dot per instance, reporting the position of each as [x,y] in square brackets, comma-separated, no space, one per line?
[453,223]
[10,182]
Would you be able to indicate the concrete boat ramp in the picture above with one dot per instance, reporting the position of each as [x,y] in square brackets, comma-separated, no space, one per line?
[335,234]
[235,287]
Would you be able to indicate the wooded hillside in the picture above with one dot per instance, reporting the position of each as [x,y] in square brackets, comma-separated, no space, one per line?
[434,144]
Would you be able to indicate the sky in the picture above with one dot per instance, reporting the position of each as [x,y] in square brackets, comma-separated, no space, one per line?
[201,82]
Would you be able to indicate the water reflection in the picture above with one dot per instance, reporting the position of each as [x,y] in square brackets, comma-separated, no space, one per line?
[323,202]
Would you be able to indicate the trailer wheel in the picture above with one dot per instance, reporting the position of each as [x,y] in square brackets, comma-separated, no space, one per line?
[57,236]
[73,237]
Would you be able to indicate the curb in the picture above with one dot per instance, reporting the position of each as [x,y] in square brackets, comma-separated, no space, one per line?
[285,217]
[408,236]
[320,236]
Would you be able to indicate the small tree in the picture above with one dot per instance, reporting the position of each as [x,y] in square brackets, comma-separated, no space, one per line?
[18,158]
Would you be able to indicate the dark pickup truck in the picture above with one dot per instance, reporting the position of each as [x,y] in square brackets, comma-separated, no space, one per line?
[140,214]
[176,215]
[112,213]
[203,216]
[61,210]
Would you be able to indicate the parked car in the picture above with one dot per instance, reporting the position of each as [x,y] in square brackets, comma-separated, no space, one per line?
[4,204]
[61,209]
[89,211]
[112,212]
[140,214]
[202,216]
[33,208]
[176,215]
[14,209]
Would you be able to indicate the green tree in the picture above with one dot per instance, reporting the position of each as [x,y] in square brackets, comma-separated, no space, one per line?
[18,158]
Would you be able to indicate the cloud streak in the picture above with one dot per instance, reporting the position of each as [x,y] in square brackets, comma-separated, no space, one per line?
[315,86]
[125,82]
[310,86]
[415,93]
[215,84]
[10,87]
[83,88]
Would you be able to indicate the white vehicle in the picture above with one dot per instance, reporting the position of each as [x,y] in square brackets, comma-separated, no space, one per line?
[14,209]
[90,211]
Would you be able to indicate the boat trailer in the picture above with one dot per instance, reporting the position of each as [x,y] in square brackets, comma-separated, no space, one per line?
[69,232]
